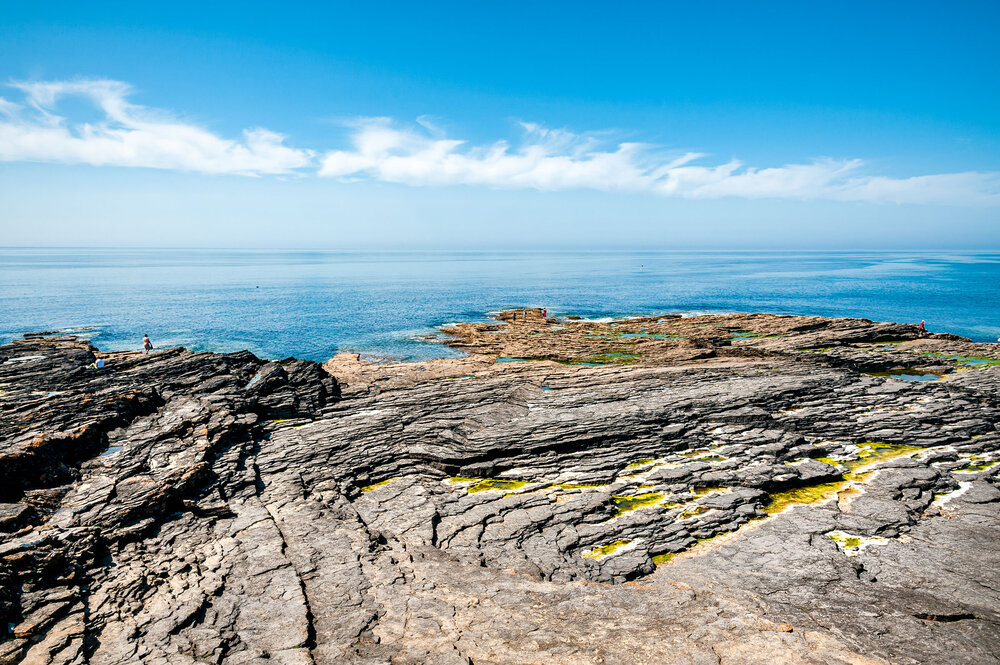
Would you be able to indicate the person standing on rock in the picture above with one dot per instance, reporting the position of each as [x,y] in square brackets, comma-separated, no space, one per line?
[147,346]
[543,313]
[922,328]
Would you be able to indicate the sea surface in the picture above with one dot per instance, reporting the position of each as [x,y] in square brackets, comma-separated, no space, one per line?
[311,304]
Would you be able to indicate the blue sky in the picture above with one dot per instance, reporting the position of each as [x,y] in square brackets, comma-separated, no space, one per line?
[740,124]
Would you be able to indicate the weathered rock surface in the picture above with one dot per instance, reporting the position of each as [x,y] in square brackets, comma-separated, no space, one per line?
[725,489]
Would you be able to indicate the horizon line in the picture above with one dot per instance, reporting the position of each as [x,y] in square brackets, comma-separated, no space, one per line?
[497,249]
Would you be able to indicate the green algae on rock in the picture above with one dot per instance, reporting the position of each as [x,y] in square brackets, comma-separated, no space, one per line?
[606,550]
[969,361]
[496,484]
[709,458]
[873,452]
[704,491]
[852,545]
[975,466]
[868,454]
[692,512]
[374,486]
[803,495]
[461,480]
[661,559]
[637,501]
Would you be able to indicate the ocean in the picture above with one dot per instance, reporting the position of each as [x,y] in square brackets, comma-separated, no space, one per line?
[312,304]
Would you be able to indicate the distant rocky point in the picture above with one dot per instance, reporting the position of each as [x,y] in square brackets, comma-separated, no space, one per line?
[738,488]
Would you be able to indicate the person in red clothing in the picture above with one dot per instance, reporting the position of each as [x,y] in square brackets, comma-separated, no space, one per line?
[922,327]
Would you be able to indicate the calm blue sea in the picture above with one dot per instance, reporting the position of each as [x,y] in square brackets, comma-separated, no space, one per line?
[311,304]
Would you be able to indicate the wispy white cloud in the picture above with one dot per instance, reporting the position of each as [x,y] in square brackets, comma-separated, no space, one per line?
[129,135]
[548,159]
[36,127]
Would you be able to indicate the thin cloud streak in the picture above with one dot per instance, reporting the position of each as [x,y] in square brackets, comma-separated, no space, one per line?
[131,136]
[555,159]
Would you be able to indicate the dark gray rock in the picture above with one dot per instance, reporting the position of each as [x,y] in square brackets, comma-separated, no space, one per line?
[187,507]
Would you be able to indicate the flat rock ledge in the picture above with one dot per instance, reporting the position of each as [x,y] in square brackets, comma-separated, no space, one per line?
[724,489]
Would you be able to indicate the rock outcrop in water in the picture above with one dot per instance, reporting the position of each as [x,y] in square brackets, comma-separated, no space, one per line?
[718,489]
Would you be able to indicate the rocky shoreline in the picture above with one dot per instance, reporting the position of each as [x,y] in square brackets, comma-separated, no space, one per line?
[717,489]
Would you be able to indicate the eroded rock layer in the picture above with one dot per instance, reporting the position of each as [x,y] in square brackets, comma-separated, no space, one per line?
[717,489]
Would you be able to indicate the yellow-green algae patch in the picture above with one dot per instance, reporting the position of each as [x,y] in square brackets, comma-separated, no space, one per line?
[659,463]
[971,361]
[605,550]
[844,540]
[691,512]
[636,501]
[499,485]
[462,479]
[941,499]
[975,466]
[800,495]
[697,452]
[703,491]
[852,545]
[869,453]
[373,486]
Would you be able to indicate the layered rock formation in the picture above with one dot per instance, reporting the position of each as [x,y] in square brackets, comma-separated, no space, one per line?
[720,489]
